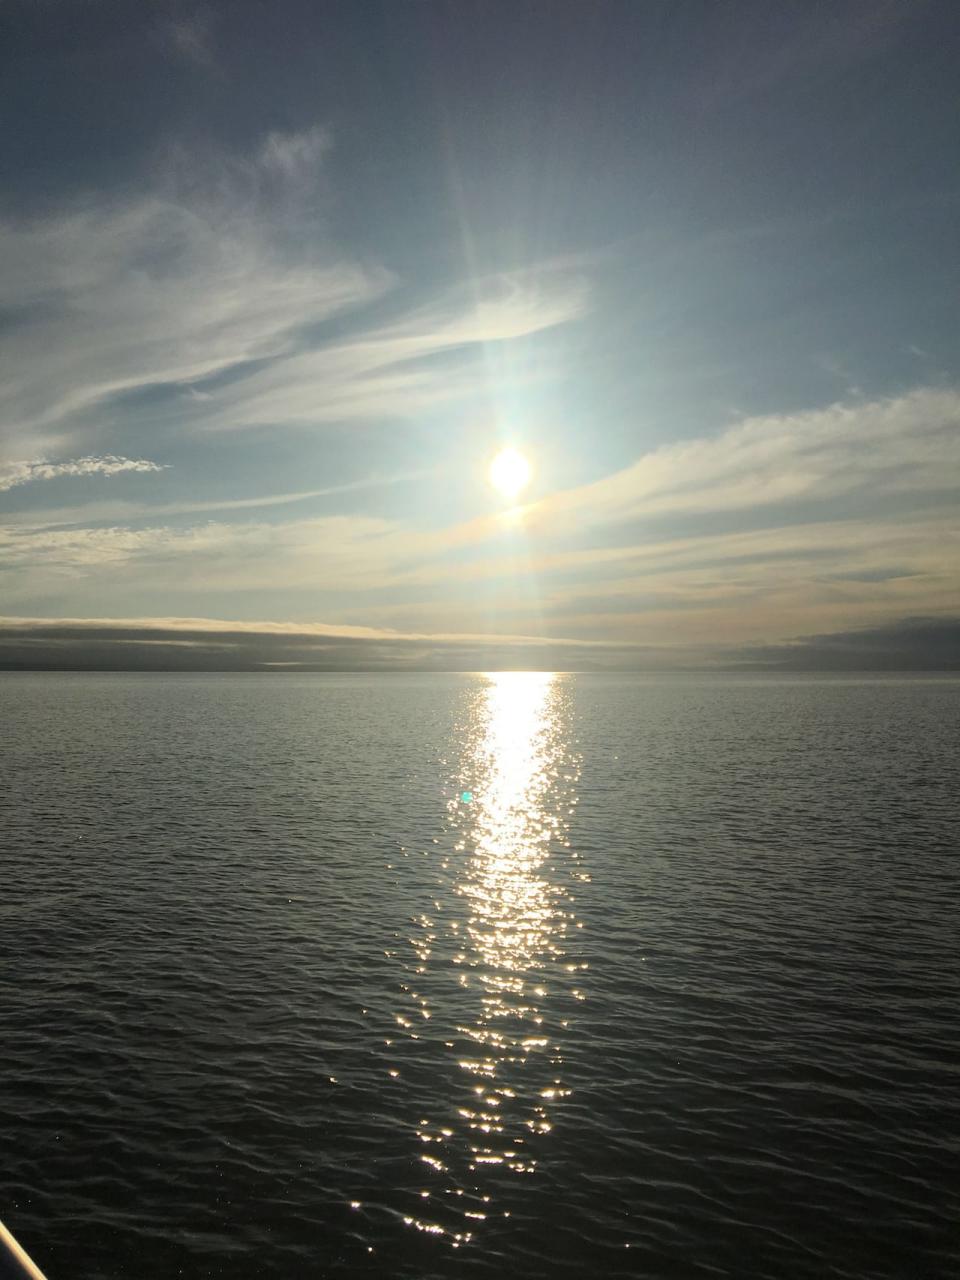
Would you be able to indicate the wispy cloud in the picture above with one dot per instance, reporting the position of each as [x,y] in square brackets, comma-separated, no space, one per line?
[190,37]
[833,519]
[385,372]
[351,553]
[13,474]
[295,156]
[127,512]
[223,267]
[905,444]
[129,296]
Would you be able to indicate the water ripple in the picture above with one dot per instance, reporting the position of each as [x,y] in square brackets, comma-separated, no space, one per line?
[442,976]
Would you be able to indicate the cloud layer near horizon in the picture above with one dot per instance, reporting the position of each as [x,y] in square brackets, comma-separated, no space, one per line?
[202,644]
[835,519]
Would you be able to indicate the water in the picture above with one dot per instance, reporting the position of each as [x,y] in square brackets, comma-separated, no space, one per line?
[417,976]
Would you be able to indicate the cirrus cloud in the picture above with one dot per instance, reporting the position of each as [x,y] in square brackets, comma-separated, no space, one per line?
[209,287]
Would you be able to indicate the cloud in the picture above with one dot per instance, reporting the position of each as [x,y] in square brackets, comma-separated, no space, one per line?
[100,512]
[910,644]
[742,587]
[126,296]
[189,37]
[350,552]
[13,474]
[749,536]
[386,372]
[906,444]
[207,644]
[780,526]
[203,644]
[212,281]
[294,154]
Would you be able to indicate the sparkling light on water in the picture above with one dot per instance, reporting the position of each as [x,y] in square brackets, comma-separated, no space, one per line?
[499,932]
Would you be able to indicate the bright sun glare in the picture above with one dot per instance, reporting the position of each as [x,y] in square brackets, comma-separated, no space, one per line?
[509,473]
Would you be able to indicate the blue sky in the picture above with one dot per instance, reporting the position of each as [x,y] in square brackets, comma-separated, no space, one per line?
[277,281]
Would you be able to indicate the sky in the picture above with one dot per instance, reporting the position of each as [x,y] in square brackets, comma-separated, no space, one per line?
[278,280]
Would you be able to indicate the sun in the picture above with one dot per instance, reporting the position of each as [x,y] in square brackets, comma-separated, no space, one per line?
[509,473]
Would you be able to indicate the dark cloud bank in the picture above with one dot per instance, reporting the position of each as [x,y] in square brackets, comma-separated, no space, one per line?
[916,644]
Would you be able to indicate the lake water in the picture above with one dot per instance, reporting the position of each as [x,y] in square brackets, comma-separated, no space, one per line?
[523,975]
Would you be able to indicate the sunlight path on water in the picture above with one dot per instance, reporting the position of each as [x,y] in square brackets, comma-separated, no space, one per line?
[502,949]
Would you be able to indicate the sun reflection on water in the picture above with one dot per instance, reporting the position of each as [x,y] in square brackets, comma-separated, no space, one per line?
[497,946]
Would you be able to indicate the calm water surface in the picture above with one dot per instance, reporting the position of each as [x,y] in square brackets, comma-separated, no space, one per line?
[437,976]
